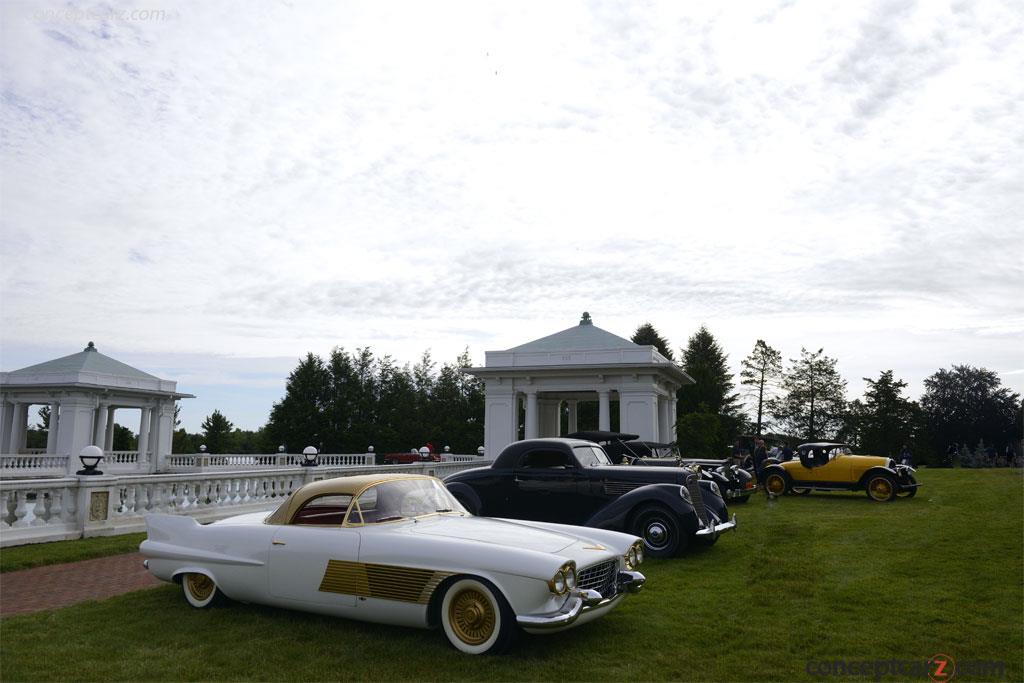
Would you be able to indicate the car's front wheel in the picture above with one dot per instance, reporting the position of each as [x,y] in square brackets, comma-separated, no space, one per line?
[909,492]
[476,618]
[659,530]
[881,488]
[200,590]
[776,483]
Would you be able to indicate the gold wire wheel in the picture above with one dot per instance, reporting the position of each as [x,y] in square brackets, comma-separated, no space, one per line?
[472,616]
[880,488]
[200,586]
[775,484]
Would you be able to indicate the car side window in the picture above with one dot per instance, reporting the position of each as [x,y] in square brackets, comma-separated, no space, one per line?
[323,510]
[549,460]
[365,509]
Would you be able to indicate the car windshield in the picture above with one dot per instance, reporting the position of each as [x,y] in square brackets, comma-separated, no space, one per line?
[591,456]
[401,499]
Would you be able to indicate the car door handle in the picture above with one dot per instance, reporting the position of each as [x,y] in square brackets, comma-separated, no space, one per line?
[278,543]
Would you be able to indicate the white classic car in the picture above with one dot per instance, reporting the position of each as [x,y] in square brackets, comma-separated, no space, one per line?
[399,549]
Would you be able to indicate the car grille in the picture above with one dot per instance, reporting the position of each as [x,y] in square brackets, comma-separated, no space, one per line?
[599,577]
[693,486]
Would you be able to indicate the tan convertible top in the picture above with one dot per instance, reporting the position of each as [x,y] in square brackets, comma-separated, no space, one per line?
[339,485]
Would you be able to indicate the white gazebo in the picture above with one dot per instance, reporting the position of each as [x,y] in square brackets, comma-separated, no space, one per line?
[582,363]
[84,391]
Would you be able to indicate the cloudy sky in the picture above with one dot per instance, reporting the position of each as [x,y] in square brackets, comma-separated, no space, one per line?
[208,190]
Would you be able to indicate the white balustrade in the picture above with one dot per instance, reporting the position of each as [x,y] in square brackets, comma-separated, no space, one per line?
[32,465]
[35,510]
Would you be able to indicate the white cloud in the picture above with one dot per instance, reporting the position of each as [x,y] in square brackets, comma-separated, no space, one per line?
[237,181]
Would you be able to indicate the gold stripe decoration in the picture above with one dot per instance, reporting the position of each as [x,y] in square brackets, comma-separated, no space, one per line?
[384,581]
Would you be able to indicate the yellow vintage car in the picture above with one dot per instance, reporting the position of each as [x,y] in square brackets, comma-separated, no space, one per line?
[828,466]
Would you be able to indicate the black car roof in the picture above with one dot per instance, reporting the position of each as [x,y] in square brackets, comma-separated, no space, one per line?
[510,454]
[597,435]
[823,444]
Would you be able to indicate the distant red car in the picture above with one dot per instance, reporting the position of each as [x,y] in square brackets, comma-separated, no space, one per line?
[422,455]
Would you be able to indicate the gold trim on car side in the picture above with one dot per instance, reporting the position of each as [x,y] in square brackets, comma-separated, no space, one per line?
[387,582]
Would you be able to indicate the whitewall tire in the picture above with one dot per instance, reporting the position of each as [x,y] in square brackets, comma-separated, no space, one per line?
[200,590]
[476,618]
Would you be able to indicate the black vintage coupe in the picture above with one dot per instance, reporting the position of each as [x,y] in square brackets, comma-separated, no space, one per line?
[572,481]
[735,483]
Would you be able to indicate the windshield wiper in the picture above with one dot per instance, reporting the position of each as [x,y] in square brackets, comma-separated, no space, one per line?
[391,519]
[444,510]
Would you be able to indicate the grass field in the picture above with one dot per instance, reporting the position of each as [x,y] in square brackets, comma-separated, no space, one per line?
[40,554]
[818,578]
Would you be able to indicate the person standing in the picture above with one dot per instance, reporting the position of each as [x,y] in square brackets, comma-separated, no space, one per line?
[905,456]
[760,455]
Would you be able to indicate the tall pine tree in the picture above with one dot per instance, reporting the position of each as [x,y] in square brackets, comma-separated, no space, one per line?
[813,403]
[760,374]
[646,335]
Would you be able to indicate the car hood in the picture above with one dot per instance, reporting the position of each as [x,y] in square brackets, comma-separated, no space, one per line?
[496,531]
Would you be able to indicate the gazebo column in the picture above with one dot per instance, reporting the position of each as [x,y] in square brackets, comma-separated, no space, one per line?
[532,416]
[664,420]
[6,425]
[673,417]
[550,419]
[638,414]
[18,427]
[573,416]
[99,431]
[144,437]
[501,417]
[604,410]
[51,432]
[108,437]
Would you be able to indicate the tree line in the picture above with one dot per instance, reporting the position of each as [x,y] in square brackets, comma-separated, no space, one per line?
[348,401]
[806,400]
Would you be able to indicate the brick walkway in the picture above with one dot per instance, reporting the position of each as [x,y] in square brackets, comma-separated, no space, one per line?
[61,585]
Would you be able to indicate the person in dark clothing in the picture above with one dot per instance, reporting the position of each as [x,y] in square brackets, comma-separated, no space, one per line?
[905,456]
[760,455]
[951,454]
[787,453]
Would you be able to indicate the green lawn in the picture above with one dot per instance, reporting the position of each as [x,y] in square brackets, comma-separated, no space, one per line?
[39,554]
[816,578]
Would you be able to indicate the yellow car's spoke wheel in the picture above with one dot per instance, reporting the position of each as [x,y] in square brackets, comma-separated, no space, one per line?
[775,484]
[476,618]
[200,590]
[881,488]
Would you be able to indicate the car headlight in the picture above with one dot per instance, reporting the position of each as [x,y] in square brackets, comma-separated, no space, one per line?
[714,487]
[639,545]
[564,579]
[685,495]
[634,556]
[631,558]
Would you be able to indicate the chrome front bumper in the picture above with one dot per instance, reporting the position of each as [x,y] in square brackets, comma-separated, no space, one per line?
[582,601]
[741,493]
[712,528]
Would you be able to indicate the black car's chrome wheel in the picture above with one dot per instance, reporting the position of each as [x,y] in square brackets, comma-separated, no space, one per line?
[659,530]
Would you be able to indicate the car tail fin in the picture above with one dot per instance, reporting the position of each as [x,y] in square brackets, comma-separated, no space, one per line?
[168,527]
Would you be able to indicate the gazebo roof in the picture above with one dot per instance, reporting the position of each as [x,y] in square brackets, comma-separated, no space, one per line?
[88,360]
[581,348]
[88,368]
[582,337]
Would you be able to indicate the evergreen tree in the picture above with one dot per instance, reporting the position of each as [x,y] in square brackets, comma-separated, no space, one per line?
[217,433]
[707,364]
[813,404]
[646,335]
[124,439]
[760,373]
[885,420]
[298,420]
[965,405]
